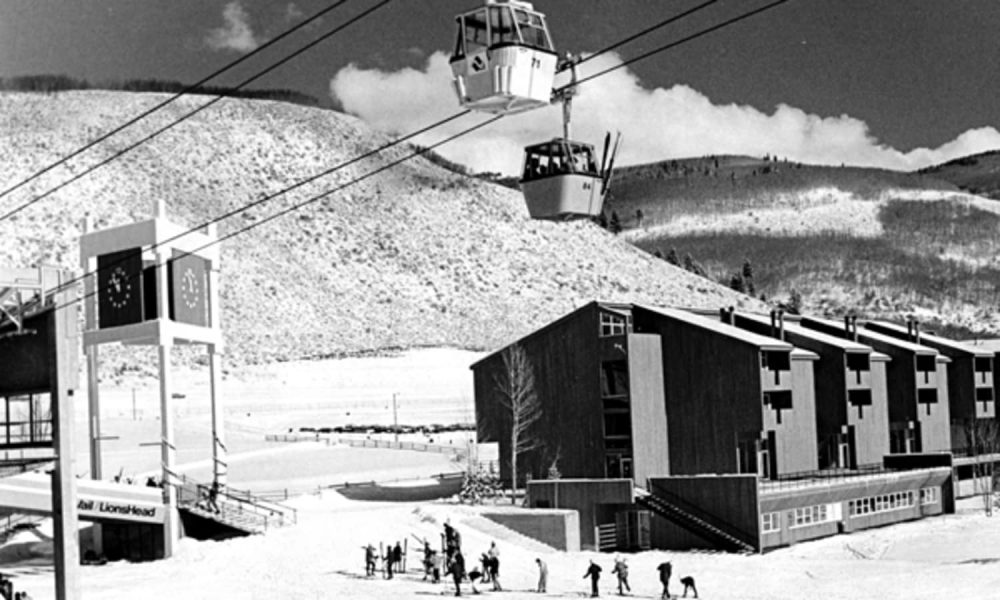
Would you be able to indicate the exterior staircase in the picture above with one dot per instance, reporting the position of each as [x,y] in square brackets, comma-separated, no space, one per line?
[236,510]
[695,520]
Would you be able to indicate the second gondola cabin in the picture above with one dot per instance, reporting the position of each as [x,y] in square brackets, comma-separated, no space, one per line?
[504,61]
[561,180]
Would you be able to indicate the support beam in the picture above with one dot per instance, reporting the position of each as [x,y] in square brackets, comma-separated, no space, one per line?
[168,454]
[219,458]
[65,381]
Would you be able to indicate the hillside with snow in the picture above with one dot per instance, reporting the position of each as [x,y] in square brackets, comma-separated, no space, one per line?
[878,243]
[414,256]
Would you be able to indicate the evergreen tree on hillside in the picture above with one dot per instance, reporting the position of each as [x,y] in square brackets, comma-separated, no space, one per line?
[672,257]
[615,225]
[747,276]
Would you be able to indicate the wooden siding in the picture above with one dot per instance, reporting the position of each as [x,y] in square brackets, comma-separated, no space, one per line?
[712,389]
[871,423]
[796,432]
[729,498]
[935,420]
[566,361]
[649,413]
[584,496]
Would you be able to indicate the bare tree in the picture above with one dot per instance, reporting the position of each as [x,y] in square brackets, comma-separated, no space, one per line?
[983,437]
[515,387]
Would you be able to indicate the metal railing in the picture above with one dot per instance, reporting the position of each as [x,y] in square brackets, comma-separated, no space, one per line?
[366,443]
[829,477]
[695,511]
[234,505]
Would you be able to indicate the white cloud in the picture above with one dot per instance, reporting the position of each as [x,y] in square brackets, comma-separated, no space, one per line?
[656,124]
[236,34]
[293,13]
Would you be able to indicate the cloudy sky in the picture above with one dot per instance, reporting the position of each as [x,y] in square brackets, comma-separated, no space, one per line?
[892,83]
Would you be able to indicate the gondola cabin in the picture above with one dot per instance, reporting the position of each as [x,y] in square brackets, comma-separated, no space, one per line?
[561,180]
[504,61]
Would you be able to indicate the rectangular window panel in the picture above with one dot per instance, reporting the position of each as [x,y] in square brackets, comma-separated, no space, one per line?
[778,400]
[927,396]
[984,394]
[612,324]
[859,397]
[776,360]
[614,378]
[857,361]
[926,363]
[617,425]
[984,364]
[770,522]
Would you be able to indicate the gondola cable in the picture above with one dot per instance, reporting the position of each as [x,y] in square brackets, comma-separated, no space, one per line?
[414,154]
[177,121]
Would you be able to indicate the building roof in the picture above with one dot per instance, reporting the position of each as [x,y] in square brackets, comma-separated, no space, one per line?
[992,345]
[819,336]
[950,344]
[615,307]
[761,341]
[881,338]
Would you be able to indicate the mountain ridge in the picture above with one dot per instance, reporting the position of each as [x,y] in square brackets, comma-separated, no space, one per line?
[416,256]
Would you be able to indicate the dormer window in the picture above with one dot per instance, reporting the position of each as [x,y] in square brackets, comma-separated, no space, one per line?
[613,324]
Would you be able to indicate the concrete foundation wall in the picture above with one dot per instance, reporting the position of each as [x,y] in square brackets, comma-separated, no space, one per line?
[557,528]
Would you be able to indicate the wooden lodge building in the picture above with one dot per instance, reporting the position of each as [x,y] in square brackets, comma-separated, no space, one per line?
[732,430]
[917,378]
[971,394]
[852,405]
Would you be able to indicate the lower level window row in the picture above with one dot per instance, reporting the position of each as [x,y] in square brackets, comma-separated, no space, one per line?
[881,503]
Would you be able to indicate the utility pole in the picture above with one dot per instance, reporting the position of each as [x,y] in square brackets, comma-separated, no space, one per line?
[395,420]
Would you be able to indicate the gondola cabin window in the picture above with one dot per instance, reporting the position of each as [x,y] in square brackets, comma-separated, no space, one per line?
[559,157]
[533,32]
[472,34]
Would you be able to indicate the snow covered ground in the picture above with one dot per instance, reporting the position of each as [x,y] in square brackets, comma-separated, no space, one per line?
[954,556]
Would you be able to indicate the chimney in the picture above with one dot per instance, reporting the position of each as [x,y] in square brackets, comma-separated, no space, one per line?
[781,325]
[723,315]
[916,331]
[854,328]
[732,317]
[909,329]
[774,323]
[847,327]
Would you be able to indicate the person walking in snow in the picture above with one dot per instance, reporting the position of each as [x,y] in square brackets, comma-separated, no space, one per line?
[621,570]
[369,560]
[397,557]
[665,569]
[543,575]
[594,572]
[494,555]
[457,569]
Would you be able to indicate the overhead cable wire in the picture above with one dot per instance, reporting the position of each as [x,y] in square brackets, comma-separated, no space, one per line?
[643,33]
[679,42]
[408,157]
[191,113]
[187,90]
[287,210]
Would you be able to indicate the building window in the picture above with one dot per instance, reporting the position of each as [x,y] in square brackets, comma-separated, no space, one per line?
[811,515]
[926,363]
[927,396]
[858,361]
[984,394]
[776,360]
[880,504]
[929,495]
[984,364]
[612,324]
[617,424]
[770,522]
[859,398]
[778,400]
[614,378]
